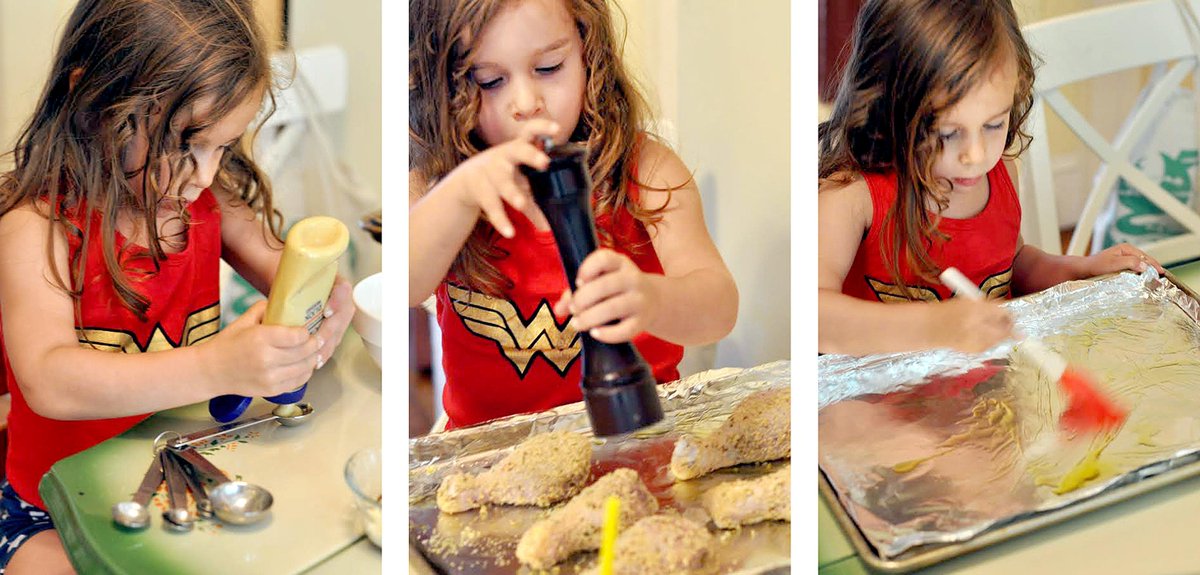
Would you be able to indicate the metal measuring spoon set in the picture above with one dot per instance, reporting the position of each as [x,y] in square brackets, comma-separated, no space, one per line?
[184,469]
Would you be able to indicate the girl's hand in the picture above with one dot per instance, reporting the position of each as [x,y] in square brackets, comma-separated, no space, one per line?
[492,178]
[610,289]
[252,359]
[1117,258]
[339,310]
[970,326]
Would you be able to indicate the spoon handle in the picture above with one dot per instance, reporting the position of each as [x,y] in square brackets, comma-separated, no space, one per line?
[213,432]
[150,482]
[195,484]
[201,464]
[176,486]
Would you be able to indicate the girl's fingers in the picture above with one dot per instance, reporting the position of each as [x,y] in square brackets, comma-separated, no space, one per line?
[537,127]
[621,307]
[600,262]
[522,151]
[598,290]
[493,210]
[622,331]
[563,306]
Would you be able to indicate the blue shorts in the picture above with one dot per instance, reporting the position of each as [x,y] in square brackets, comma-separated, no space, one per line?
[19,520]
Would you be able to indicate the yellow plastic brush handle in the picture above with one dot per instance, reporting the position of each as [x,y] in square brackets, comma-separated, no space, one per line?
[608,541]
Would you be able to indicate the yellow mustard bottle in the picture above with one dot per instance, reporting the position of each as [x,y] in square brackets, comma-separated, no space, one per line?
[298,295]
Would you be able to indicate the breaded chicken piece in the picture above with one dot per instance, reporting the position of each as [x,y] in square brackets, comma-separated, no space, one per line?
[663,545]
[577,525]
[759,429]
[748,501]
[542,470]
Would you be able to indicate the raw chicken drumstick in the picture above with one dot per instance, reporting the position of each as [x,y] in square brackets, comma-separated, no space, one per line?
[542,470]
[759,429]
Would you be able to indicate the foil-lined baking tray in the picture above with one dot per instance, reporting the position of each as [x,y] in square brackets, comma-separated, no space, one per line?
[484,541]
[928,455]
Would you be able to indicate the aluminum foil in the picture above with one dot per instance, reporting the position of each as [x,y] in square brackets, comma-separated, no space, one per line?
[938,447]
[484,541]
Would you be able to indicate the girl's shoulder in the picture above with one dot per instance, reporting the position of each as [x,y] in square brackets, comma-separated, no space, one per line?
[659,167]
[846,194]
[24,214]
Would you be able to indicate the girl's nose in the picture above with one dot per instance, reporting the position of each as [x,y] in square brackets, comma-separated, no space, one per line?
[526,100]
[972,152]
[207,164]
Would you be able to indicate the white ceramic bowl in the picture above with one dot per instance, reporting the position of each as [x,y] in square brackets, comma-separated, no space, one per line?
[368,321]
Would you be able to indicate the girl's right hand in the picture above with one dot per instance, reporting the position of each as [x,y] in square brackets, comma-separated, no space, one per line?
[971,326]
[256,360]
[492,178]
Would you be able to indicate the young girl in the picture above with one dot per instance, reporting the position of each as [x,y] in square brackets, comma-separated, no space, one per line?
[486,79]
[129,185]
[915,178]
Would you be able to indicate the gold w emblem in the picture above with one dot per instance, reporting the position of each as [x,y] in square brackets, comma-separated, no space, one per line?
[891,293]
[996,286]
[199,326]
[519,340]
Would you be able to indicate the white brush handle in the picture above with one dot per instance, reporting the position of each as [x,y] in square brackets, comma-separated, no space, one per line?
[959,283]
[1050,363]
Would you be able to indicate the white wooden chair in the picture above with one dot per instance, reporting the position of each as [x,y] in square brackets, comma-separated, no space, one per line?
[1091,44]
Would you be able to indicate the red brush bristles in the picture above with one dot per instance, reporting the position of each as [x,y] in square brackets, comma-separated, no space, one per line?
[1087,408]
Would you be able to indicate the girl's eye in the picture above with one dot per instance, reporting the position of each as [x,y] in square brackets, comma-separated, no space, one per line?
[488,84]
[947,136]
[549,69]
[995,126]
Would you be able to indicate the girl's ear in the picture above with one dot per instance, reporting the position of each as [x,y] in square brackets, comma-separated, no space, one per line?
[74,78]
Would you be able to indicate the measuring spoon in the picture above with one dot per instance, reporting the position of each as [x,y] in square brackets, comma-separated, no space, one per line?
[134,514]
[288,416]
[176,517]
[236,502]
[196,486]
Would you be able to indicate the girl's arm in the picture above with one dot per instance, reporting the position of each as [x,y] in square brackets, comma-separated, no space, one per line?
[694,302]
[441,219]
[849,325]
[61,379]
[255,254]
[1035,270]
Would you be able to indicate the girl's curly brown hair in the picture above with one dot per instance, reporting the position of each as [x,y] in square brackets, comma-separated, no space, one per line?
[129,68]
[444,109]
[910,62]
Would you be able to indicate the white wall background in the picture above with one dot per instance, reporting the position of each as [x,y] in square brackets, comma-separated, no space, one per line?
[719,74]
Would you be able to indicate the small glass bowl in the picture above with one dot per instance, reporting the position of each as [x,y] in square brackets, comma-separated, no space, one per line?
[364,475]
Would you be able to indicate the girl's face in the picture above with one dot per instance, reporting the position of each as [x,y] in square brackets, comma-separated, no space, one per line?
[206,147]
[973,131]
[528,64]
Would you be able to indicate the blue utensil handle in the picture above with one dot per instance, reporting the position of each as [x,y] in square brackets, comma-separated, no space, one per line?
[226,408]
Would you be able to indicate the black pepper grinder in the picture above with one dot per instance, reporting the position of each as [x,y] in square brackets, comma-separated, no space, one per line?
[618,386]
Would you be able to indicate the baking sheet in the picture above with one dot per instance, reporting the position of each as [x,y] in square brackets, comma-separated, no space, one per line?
[484,541]
[939,449]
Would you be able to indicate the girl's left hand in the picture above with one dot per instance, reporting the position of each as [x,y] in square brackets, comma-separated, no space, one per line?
[339,310]
[610,289]
[1118,258]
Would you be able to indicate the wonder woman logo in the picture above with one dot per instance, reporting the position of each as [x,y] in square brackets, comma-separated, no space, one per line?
[200,325]
[995,286]
[519,340]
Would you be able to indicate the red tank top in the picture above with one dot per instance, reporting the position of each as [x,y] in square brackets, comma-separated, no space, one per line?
[982,247]
[184,309]
[511,355]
